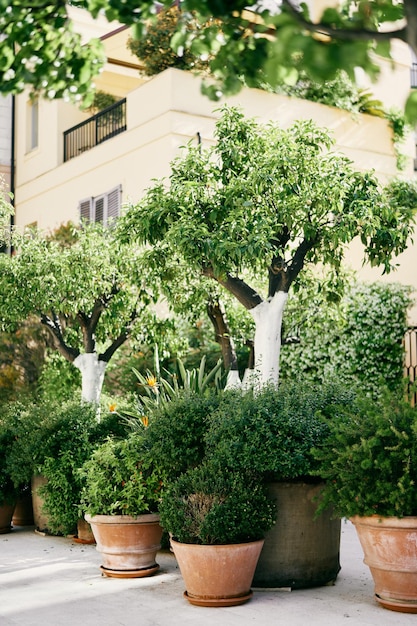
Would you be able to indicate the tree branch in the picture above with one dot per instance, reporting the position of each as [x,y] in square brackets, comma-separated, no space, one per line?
[237,287]
[120,340]
[297,262]
[88,337]
[222,333]
[54,327]
[345,33]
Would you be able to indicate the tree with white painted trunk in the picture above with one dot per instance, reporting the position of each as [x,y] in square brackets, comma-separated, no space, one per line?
[91,293]
[268,202]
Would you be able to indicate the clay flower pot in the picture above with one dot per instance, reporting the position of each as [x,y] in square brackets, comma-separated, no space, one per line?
[217,575]
[128,545]
[390,548]
[84,532]
[23,513]
[6,514]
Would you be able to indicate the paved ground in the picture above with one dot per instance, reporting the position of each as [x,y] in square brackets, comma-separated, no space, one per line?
[53,581]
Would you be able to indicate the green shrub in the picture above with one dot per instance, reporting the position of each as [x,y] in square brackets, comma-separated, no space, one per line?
[120,479]
[54,439]
[176,431]
[274,430]
[212,505]
[369,460]
[362,340]
[9,427]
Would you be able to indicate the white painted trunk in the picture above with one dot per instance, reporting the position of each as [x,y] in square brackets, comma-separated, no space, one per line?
[233,380]
[92,376]
[268,323]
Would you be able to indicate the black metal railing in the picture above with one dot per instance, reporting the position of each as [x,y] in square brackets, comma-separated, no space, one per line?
[102,126]
[413,75]
[410,365]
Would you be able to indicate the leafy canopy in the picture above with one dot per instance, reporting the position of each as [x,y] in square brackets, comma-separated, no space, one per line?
[268,43]
[82,292]
[266,198]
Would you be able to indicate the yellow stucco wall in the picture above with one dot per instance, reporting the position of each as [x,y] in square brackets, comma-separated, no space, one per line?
[163,114]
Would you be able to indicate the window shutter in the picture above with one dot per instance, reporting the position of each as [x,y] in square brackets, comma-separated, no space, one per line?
[84,209]
[99,209]
[113,203]
[103,209]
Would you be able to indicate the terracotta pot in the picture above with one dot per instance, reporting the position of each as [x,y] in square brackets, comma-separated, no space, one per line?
[217,575]
[23,513]
[40,517]
[6,514]
[301,550]
[128,544]
[84,532]
[390,548]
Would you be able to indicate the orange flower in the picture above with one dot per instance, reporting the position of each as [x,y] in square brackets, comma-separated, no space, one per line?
[112,407]
[145,420]
[151,381]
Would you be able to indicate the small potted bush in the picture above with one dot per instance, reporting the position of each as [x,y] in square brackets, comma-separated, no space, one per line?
[120,498]
[369,463]
[217,519]
[9,489]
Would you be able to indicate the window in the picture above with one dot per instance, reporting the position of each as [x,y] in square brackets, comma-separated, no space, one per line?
[32,118]
[104,208]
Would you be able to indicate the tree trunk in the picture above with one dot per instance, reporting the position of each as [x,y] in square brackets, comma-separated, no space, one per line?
[92,376]
[268,323]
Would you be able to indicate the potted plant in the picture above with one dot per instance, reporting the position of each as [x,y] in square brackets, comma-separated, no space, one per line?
[217,519]
[120,497]
[370,465]
[272,431]
[54,439]
[9,490]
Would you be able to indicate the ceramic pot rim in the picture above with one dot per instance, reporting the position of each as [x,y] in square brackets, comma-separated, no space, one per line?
[122,519]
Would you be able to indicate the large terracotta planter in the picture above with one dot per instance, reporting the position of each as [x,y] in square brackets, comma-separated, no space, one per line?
[6,514]
[390,549]
[128,545]
[217,575]
[300,550]
[40,517]
[23,513]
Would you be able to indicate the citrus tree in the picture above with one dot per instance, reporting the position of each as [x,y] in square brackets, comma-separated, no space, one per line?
[268,202]
[80,291]
[272,41]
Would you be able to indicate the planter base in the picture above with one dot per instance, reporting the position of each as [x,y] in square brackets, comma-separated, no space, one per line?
[401,606]
[218,601]
[133,573]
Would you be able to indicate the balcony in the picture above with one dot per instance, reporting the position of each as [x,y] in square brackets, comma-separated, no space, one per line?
[102,126]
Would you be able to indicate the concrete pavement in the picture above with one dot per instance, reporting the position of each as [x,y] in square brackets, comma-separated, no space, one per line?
[53,581]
